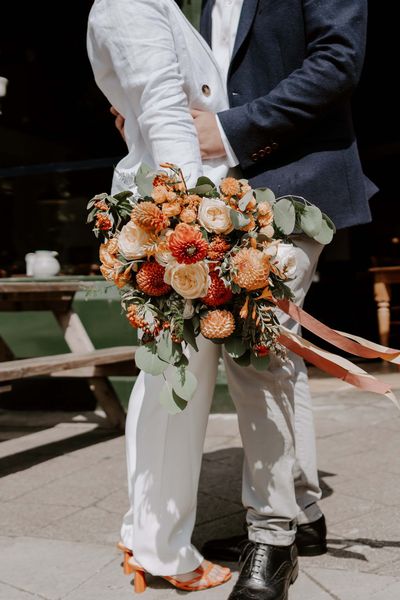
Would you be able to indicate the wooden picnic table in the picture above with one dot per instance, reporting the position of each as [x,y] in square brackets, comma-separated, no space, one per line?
[56,295]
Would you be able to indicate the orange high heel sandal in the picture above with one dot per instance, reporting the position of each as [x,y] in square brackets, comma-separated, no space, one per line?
[202,580]
[128,569]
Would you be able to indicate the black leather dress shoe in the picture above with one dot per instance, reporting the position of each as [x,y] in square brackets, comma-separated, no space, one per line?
[311,538]
[310,541]
[266,573]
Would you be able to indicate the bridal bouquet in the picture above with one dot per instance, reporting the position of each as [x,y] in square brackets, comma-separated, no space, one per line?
[212,260]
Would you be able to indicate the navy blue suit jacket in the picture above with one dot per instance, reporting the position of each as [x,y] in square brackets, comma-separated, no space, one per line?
[294,68]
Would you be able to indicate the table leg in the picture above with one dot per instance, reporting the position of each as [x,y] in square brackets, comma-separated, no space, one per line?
[382,298]
[5,351]
[78,340]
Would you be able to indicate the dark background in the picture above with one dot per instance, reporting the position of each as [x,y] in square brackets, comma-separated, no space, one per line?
[58,146]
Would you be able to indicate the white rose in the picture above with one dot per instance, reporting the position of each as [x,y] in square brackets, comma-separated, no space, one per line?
[285,259]
[131,241]
[189,281]
[214,215]
[163,255]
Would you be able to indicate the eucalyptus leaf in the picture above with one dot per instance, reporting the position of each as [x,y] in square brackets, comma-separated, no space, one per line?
[144,180]
[235,347]
[243,202]
[238,219]
[244,360]
[183,361]
[170,400]
[329,221]
[91,215]
[265,195]
[123,195]
[284,215]
[325,234]
[311,220]
[147,360]
[201,190]
[260,363]
[168,350]
[184,383]
[189,334]
[205,181]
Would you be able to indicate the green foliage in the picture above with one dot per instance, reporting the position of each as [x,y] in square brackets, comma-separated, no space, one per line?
[144,180]
[238,219]
[284,215]
[170,400]
[147,360]
[235,347]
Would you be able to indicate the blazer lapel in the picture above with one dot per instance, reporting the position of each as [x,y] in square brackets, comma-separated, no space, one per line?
[206,20]
[246,20]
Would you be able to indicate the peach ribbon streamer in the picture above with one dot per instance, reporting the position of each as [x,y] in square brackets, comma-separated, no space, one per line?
[336,365]
[350,343]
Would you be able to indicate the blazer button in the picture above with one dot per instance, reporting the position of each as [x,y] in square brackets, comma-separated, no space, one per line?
[261,153]
[274,146]
[267,150]
[206,90]
[254,157]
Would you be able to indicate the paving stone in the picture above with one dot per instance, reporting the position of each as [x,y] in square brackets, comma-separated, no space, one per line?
[51,568]
[8,592]
[87,525]
[24,518]
[210,508]
[83,487]
[380,528]
[340,507]
[343,585]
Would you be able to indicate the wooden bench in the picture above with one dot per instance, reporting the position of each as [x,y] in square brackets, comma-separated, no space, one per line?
[94,365]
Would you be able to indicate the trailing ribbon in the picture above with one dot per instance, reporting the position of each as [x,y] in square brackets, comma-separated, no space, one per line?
[345,341]
[335,365]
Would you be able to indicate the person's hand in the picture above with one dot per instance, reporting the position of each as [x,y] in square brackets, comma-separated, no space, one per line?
[211,145]
[119,121]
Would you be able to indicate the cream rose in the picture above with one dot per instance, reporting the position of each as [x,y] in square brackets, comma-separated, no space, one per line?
[214,215]
[285,259]
[189,281]
[132,240]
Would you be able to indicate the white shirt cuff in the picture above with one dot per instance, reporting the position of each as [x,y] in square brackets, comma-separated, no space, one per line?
[231,156]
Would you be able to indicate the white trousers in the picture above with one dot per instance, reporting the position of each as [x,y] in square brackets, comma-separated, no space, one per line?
[164,453]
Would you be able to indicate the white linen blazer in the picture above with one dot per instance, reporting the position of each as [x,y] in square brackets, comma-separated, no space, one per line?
[153,66]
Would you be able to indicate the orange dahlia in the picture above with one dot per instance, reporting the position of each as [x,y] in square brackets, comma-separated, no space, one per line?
[149,217]
[218,248]
[217,324]
[150,279]
[217,293]
[187,244]
[252,269]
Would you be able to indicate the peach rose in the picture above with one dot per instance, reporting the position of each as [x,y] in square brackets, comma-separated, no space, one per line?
[189,281]
[132,241]
[214,215]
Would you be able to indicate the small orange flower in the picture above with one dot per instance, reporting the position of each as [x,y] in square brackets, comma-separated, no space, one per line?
[150,279]
[134,318]
[250,226]
[171,209]
[188,215]
[162,194]
[103,222]
[101,205]
[218,248]
[230,187]
[187,244]
[149,217]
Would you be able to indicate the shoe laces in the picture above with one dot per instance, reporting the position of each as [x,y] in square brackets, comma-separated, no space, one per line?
[258,558]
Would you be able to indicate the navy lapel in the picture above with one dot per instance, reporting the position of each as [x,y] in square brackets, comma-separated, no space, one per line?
[246,20]
[206,20]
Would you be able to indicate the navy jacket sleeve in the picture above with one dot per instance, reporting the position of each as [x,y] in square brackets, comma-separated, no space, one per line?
[335,45]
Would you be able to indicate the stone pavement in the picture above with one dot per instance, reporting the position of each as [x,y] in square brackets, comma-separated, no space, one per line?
[63,493]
